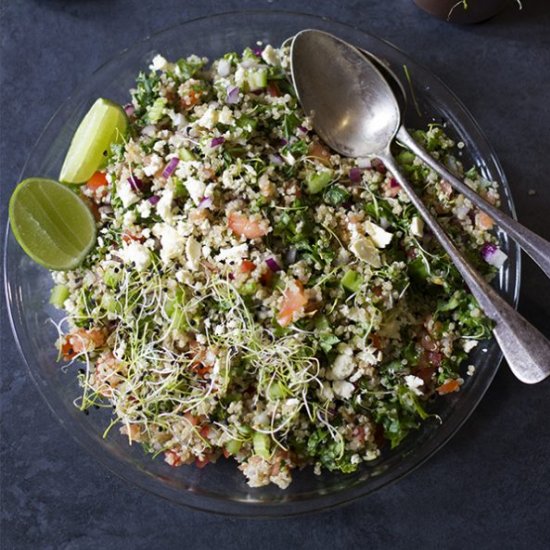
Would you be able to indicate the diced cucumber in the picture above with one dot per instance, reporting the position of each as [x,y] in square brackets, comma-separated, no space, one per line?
[418,270]
[317,181]
[257,79]
[352,280]
[233,446]
[262,444]
[277,391]
[248,289]
[58,296]
[185,155]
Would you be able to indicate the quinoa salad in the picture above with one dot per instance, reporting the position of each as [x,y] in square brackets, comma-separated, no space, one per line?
[253,295]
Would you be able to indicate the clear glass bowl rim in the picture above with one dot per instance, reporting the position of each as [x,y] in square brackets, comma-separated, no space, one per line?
[298,506]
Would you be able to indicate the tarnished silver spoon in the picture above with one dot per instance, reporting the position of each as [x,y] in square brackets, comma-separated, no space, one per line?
[356,113]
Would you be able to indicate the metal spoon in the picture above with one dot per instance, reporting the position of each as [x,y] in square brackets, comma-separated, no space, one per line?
[537,247]
[355,112]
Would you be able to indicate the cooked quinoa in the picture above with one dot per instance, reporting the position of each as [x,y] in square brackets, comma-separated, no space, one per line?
[253,294]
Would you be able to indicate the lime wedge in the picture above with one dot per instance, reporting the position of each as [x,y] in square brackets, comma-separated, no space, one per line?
[104,124]
[51,223]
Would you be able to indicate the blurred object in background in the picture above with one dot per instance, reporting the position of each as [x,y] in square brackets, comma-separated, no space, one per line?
[463,11]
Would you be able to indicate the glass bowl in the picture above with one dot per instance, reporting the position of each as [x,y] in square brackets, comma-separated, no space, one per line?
[221,487]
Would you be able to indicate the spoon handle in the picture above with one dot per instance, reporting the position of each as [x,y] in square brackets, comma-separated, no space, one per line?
[526,350]
[537,247]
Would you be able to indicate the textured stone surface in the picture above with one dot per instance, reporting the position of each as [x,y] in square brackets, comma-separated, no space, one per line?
[490,486]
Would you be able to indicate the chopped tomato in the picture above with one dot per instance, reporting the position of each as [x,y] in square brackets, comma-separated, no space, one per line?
[320,152]
[129,237]
[192,419]
[448,387]
[266,277]
[484,221]
[190,99]
[226,453]
[204,431]
[247,266]
[376,341]
[294,299]
[173,458]
[246,227]
[425,373]
[67,351]
[96,181]
[202,463]
[273,89]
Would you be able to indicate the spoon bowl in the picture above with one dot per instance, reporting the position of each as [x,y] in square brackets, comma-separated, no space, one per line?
[357,113]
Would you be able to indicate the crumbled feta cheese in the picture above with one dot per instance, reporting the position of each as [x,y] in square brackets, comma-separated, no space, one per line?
[343,389]
[234,253]
[224,67]
[226,115]
[164,205]
[195,188]
[471,370]
[269,55]
[364,249]
[144,209]
[380,237]
[342,367]
[193,253]
[126,194]
[413,383]
[158,63]
[417,227]
[137,253]
[469,344]
[129,218]
[171,242]
[154,165]
[209,119]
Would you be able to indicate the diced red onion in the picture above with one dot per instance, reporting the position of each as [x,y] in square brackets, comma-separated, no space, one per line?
[378,165]
[393,183]
[355,175]
[231,277]
[283,141]
[153,199]
[205,202]
[348,204]
[232,95]
[135,183]
[217,141]
[273,265]
[303,129]
[258,51]
[170,167]
[129,109]
[493,255]
[276,159]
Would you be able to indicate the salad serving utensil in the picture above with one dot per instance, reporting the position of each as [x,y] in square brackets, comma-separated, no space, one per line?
[357,114]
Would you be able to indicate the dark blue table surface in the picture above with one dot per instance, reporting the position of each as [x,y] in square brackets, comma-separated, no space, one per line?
[489,487]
